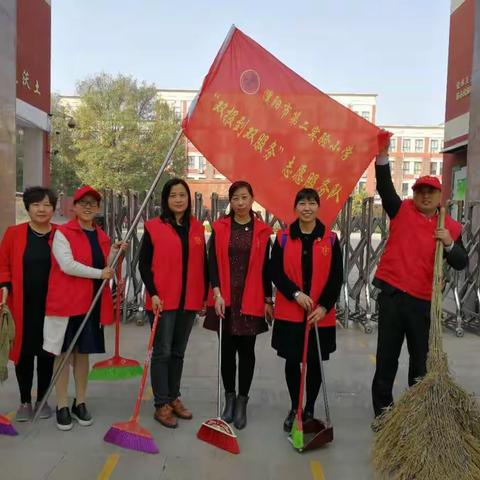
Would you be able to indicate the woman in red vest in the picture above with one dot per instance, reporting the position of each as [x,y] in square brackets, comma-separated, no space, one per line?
[81,250]
[306,268]
[173,268]
[24,270]
[242,295]
[404,277]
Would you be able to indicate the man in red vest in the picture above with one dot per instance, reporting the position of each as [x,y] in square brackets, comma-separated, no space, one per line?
[404,276]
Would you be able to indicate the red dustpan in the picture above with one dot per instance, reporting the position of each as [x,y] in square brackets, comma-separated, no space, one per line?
[316,433]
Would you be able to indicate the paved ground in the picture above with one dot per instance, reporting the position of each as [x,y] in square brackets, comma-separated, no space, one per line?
[42,452]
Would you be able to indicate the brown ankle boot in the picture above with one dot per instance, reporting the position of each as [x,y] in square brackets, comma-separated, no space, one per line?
[164,415]
[180,410]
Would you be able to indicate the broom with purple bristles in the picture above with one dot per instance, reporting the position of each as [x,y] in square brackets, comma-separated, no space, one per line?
[6,427]
[131,434]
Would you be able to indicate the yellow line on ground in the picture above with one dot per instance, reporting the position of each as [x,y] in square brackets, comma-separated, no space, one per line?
[372,358]
[11,415]
[109,466]
[317,470]
[148,395]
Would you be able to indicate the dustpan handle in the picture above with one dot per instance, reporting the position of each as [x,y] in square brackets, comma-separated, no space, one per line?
[322,373]
[219,361]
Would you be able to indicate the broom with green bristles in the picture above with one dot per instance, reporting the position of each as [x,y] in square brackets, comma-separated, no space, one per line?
[433,431]
[117,367]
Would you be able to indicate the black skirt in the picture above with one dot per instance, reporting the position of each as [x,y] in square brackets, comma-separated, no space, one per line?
[288,337]
[91,340]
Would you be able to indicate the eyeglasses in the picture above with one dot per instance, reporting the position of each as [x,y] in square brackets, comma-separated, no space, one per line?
[84,204]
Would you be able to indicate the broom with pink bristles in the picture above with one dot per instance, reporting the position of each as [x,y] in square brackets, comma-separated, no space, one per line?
[131,434]
[6,427]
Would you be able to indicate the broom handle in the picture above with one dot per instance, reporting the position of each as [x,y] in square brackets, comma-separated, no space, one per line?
[436,306]
[303,372]
[322,373]
[219,361]
[146,364]
[118,301]
[97,296]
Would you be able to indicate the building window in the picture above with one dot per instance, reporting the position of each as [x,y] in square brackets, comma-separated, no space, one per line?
[440,168]
[392,165]
[178,112]
[366,115]
[433,145]
[433,168]
[201,164]
[404,189]
[406,145]
[419,145]
[406,167]
[393,145]
[192,162]
[417,168]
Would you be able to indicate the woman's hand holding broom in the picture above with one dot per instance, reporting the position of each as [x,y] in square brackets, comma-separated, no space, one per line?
[157,304]
[317,315]
[3,297]
[219,303]
[304,301]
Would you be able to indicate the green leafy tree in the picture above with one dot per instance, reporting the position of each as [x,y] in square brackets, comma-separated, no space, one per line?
[123,132]
[63,167]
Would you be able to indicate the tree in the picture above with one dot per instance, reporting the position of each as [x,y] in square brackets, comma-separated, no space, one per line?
[123,132]
[358,198]
[63,168]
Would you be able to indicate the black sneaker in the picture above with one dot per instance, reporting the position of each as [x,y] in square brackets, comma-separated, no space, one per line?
[64,419]
[288,423]
[81,414]
[307,415]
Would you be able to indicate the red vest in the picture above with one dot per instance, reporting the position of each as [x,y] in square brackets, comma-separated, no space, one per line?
[253,300]
[12,250]
[407,262]
[68,295]
[167,265]
[290,310]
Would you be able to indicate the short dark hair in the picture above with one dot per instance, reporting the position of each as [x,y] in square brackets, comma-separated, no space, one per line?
[306,194]
[37,194]
[166,214]
[237,186]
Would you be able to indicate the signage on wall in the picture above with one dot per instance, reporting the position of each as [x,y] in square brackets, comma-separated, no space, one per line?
[464,87]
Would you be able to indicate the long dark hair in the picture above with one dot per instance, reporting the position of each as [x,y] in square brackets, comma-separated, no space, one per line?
[233,189]
[166,214]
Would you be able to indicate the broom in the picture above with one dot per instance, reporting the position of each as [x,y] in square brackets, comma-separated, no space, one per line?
[433,432]
[117,367]
[216,431]
[6,427]
[296,435]
[131,434]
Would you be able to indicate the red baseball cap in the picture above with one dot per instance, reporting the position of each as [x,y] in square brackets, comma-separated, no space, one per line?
[86,190]
[429,181]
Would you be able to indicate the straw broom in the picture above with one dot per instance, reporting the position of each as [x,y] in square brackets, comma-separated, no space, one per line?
[433,431]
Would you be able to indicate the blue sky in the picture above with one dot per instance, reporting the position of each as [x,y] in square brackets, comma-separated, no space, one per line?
[397,49]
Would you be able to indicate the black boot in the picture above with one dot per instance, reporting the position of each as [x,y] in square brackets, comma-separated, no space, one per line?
[240,420]
[288,423]
[229,410]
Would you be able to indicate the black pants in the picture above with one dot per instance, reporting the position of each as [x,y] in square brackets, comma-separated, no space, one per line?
[24,371]
[244,346]
[169,345]
[400,316]
[313,382]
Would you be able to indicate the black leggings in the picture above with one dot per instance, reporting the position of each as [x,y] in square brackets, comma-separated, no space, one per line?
[313,383]
[244,345]
[24,371]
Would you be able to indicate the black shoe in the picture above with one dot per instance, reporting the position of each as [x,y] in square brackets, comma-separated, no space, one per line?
[229,410]
[64,419]
[81,414]
[307,415]
[288,423]
[240,417]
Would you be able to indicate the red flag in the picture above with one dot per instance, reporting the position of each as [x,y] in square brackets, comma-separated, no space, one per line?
[256,120]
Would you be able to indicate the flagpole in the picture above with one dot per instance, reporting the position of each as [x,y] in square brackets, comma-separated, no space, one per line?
[96,298]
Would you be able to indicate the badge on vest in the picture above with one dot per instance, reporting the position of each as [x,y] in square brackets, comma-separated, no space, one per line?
[325,250]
